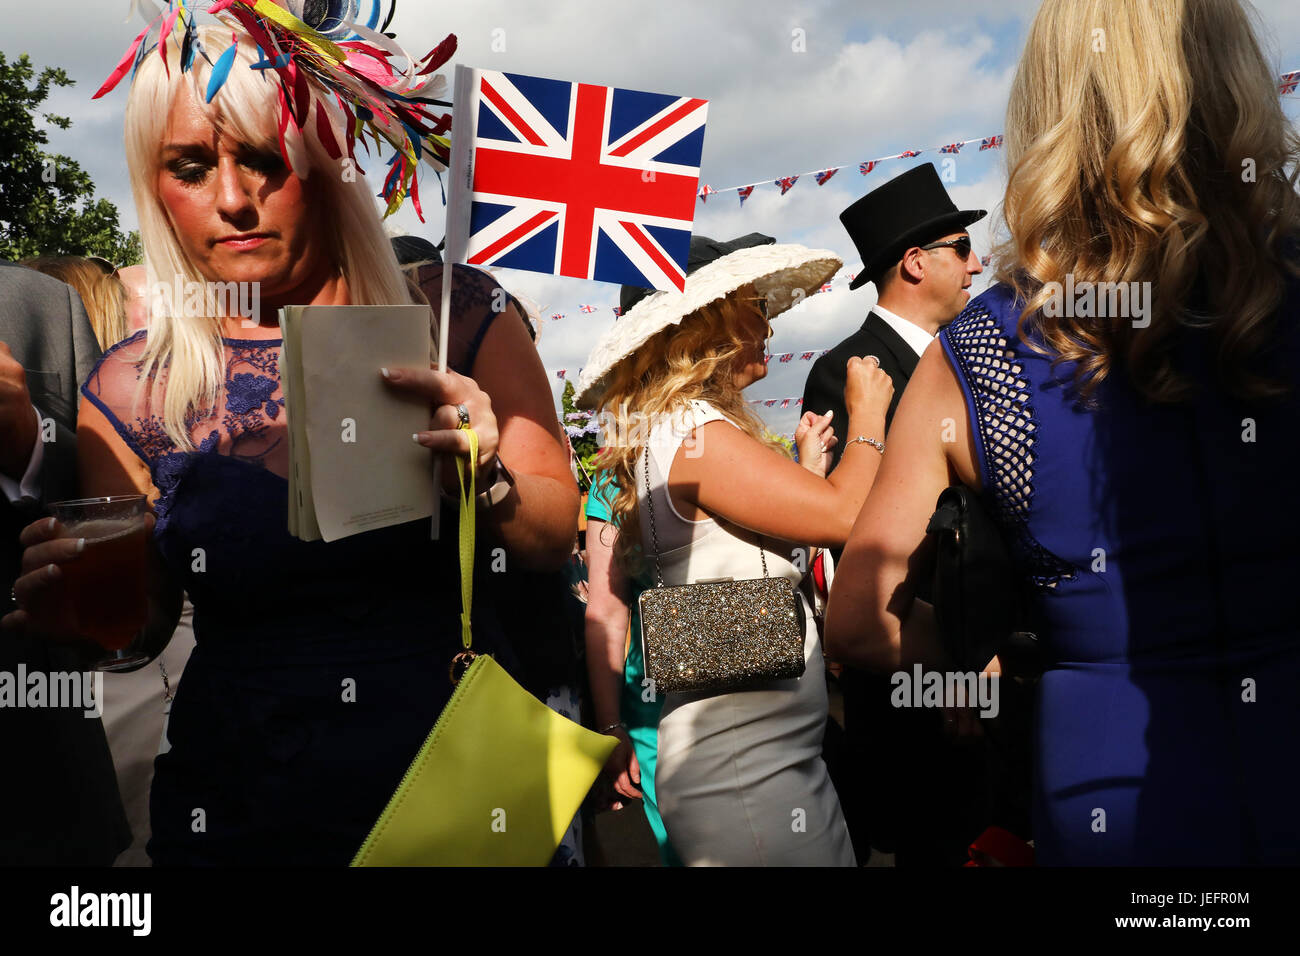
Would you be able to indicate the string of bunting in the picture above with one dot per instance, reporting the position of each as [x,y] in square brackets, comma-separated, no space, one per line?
[1287,84]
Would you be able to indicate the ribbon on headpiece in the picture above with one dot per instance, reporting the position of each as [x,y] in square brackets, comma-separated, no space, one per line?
[336,60]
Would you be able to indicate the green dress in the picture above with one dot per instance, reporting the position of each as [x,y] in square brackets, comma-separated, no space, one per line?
[639,714]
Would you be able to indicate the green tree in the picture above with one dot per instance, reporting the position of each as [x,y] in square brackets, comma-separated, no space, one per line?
[47,201]
[585,447]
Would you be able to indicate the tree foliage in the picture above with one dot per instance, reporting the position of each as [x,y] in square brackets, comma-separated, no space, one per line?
[47,201]
[585,447]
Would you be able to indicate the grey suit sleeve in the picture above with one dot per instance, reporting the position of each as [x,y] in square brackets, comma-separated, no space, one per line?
[59,468]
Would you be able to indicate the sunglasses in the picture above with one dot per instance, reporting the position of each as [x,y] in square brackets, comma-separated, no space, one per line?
[960,246]
[762,310]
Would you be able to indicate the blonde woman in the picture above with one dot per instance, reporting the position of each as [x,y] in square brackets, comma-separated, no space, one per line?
[270,760]
[739,777]
[100,292]
[1138,460]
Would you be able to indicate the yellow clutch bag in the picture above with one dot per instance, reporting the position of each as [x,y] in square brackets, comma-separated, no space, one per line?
[501,775]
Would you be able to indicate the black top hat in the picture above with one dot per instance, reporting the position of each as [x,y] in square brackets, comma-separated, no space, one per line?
[909,210]
[703,251]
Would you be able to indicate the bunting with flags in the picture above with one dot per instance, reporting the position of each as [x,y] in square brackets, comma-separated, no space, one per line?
[744,192]
[825,176]
[991,142]
[952,148]
[786,183]
[867,167]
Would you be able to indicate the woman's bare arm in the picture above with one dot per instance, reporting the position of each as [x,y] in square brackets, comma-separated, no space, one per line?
[538,521]
[869,620]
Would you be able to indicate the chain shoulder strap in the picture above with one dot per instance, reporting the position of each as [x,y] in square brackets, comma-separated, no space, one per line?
[654,536]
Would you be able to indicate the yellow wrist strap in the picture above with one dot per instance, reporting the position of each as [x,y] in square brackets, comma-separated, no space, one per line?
[467,514]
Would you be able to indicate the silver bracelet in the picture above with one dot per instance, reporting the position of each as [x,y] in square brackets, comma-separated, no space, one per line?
[878,445]
[613,726]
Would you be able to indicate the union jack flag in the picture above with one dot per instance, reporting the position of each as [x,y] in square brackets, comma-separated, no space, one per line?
[767,359]
[991,142]
[952,148]
[824,352]
[587,308]
[824,176]
[770,402]
[825,287]
[787,356]
[705,192]
[985,260]
[1289,82]
[805,356]
[785,403]
[744,192]
[799,401]
[574,179]
[618,310]
[786,183]
[867,167]
[560,373]
[909,153]
[557,316]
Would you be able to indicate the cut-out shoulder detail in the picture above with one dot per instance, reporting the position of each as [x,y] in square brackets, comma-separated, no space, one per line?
[1006,429]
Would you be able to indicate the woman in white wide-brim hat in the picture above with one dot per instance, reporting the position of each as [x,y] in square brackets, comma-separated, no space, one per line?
[740,779]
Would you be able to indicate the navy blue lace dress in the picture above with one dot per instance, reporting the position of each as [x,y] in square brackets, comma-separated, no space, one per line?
[319,668]
[1160,543]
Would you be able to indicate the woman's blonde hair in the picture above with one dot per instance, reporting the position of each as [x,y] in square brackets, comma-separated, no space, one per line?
[246,108]
[693,360]
[1146,143]
[101,293]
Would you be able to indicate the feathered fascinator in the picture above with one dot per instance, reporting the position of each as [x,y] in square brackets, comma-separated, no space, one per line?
[336,76]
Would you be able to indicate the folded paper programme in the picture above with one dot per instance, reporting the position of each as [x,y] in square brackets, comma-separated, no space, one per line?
[353,466]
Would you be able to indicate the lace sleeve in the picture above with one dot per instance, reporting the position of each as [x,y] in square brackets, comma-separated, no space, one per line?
[112,388]
[476,300]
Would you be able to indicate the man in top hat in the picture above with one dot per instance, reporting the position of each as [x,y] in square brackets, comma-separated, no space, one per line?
[915,248]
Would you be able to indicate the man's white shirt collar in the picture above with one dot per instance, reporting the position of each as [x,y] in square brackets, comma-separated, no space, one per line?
[917,339]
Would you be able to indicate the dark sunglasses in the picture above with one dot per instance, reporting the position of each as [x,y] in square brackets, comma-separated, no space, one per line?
[960,246]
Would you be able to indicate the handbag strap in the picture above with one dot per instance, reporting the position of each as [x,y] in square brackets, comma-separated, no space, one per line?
[468,513]
[650,500]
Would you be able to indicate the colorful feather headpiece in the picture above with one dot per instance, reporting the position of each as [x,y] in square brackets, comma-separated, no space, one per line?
[319,51]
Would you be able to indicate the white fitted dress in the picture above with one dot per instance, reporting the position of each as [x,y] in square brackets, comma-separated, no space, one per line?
[740,778]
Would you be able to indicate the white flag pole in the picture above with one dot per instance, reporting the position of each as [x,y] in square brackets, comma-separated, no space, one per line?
[460,181]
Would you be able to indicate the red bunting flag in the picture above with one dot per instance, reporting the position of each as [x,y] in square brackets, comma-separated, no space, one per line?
[909,153]
[952,148]
[705,192]
[825,287]
[991,142]
[805,357]
[786,183]
[824,176]
[1289,82]
[560,373]
[867,167]
[587,308]
[785,403]
[744,193]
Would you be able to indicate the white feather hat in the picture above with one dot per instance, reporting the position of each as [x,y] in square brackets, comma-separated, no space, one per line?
[776,271]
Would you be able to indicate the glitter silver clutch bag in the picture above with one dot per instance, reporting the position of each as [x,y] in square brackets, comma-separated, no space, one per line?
[720,635]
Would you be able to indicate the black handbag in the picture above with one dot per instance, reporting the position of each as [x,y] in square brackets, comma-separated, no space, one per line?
[978,594]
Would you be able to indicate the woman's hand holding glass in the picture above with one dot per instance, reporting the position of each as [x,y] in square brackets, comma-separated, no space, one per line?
[84,577]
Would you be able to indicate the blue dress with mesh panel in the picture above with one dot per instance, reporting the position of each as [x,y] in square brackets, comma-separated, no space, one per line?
[1161,550]
[319,667]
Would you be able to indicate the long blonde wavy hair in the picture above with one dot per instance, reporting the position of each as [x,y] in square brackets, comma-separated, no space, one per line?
[1131,128]
[693,360]
[246,108]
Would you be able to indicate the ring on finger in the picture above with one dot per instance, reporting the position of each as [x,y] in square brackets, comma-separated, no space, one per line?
[874,359]
[463,413]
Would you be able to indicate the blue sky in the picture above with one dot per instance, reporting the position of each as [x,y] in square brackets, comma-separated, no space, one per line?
[875,78]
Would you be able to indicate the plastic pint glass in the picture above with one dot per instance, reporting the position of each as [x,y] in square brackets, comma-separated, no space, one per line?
[108,581]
